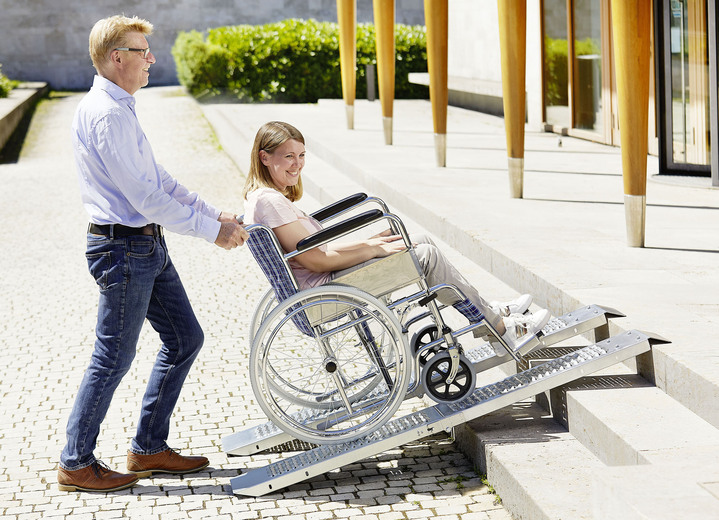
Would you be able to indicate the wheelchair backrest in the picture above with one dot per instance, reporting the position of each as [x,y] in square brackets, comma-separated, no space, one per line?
[268,253]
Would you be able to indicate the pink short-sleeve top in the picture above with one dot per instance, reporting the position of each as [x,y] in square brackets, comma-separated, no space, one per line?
[269,207]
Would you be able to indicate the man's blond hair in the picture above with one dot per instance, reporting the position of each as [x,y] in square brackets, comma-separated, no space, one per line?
[110,33]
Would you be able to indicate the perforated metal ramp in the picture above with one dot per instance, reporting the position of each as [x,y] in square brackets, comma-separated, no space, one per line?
[591,317]
[285,472]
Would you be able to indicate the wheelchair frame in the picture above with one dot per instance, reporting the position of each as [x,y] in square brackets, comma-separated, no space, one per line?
[361,402]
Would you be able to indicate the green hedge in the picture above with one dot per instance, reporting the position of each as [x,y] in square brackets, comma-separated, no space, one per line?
[5,84]
[291,61]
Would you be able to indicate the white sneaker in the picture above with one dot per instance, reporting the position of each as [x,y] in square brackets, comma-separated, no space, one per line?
[518,306]
[519,325]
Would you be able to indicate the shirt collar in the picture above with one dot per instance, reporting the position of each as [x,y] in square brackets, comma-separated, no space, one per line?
[117,93]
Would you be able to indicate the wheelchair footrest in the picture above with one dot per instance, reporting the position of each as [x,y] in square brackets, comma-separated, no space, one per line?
[554,373]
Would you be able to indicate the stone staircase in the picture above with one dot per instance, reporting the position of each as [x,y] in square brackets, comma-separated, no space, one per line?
[639,441]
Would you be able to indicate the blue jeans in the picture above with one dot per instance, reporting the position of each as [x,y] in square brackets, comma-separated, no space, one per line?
[137,280]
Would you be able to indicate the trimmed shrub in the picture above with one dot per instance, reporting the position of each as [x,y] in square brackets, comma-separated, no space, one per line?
[5,84]
[292,61]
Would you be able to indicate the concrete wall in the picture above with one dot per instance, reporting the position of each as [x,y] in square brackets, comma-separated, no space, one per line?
[46,40]
[473,49]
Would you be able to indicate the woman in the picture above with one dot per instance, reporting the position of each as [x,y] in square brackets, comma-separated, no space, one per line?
[274,183]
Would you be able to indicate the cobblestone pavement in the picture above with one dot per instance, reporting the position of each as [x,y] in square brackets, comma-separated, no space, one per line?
[48,309]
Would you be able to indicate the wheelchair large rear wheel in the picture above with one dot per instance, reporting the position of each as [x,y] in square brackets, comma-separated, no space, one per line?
[266,304]
[330,364]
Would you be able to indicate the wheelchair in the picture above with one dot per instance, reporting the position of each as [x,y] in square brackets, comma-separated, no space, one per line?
[332,364]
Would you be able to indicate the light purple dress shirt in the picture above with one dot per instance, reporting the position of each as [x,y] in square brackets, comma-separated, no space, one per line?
[120,182]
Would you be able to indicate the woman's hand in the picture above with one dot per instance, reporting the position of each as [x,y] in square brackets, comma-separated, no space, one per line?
[336,255]
[387,232]
[385,245]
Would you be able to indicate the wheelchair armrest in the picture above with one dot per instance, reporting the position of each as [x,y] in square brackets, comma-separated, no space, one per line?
[339,206]
[339,229]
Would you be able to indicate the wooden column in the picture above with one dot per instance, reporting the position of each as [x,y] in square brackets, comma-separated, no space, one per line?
[436,18]
[347,20]
[513,49]
[630,26]
[384,31]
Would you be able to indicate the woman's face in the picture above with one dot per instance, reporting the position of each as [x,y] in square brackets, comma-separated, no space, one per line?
[285,163]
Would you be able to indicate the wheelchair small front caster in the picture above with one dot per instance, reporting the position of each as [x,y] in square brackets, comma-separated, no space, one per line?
[435,375]
[422,337]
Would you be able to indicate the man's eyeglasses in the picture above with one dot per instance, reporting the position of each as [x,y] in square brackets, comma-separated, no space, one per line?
[144,52]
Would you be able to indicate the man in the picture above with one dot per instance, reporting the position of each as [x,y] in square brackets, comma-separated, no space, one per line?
[130,198]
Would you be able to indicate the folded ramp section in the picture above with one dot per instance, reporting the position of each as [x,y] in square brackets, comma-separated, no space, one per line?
[285,472]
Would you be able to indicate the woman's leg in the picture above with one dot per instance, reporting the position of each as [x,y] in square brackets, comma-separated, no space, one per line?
[438,269]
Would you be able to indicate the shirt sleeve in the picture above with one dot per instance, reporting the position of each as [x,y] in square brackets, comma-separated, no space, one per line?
[151,190]
[184,196]
[274,209]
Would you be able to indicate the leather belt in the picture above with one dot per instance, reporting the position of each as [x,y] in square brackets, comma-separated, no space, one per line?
[118,230]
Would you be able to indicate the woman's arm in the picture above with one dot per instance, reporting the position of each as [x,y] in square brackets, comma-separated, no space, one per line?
[340,255]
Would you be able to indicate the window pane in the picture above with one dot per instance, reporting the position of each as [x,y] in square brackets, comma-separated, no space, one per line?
[556,80]
[588,65]
[689,82]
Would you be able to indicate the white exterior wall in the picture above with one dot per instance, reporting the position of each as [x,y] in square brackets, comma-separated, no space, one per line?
[473,48]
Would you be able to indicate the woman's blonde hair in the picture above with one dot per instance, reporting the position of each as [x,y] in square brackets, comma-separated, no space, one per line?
[268,138]
[109,33]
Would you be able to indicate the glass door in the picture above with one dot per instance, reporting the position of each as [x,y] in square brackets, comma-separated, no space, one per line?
[587,66]
[576,60]
[556,64]
[685,77]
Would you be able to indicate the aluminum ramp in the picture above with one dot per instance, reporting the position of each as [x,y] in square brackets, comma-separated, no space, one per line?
[554,373]
[591,317]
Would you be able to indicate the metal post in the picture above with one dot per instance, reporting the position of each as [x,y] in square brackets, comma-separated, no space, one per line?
[370,75]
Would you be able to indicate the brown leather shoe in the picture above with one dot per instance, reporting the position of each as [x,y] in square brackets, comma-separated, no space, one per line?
[95,477]
[168,461]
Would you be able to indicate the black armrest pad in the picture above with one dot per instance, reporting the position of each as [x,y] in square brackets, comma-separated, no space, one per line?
[346,226]
[339,206]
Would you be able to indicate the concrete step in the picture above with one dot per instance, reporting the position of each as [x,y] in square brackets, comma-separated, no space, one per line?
[631,426]
[672,449]
[538,469]
[542,471]
[686,489]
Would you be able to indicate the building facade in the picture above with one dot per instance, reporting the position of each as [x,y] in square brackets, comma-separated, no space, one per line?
[570,61]
[570,77]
